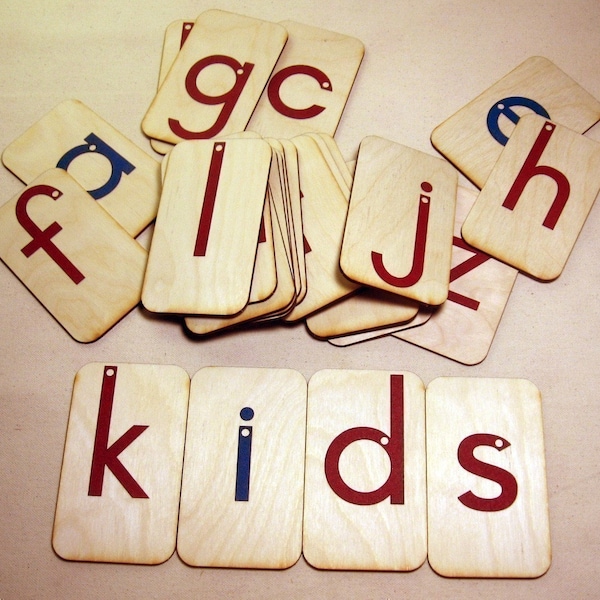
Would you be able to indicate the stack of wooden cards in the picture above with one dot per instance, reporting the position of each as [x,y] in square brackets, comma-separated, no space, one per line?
[252,229]
[69,235]
[390,256]
[248,229]
[537,189]
[291,78]
[260,218]
[250,224]
[224,73]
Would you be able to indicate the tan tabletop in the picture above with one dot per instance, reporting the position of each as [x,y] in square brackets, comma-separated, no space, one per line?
[423,61]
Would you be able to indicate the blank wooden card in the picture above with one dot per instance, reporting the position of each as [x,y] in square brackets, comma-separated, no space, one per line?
[365,496]
[243,477]
[486,479]
[398,234]
[463,328]
[120,176]
[473,138]
[207,229]
[216,79]
[535,202]
[118,499]
[71,254]
[310,84]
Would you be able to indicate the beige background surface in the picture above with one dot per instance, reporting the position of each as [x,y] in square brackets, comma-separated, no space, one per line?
[424,60]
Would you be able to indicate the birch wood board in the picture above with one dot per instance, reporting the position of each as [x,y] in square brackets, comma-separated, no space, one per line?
[140,410]
[266,408]
[487,514]
[283,212]
[398,234]
[72,255]
[377,534]
[202,259]
[464,327]
[324,210]
[473,138]
[264,279]
[529,221]
[310,84]
[286,208]
[229,46]
[120,175]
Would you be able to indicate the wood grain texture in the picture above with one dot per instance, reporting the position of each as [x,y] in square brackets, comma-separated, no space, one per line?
[401,214]
[464,327]
[324,210]
[312,80]
[344,175]
[115,527]
[535,228]
[164,163]
[366,310]
[466,542]
[280,301]
[264,531]
[248,42]
[339,534]
[290,269]
[96,280]
[464,138]
[180,278]
[132,201]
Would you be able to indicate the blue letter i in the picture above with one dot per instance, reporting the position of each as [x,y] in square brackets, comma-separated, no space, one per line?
[242,479]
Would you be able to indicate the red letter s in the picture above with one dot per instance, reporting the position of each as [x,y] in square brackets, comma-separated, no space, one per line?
[503,478]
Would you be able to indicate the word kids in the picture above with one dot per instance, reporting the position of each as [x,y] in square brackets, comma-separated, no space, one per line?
[250,467]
